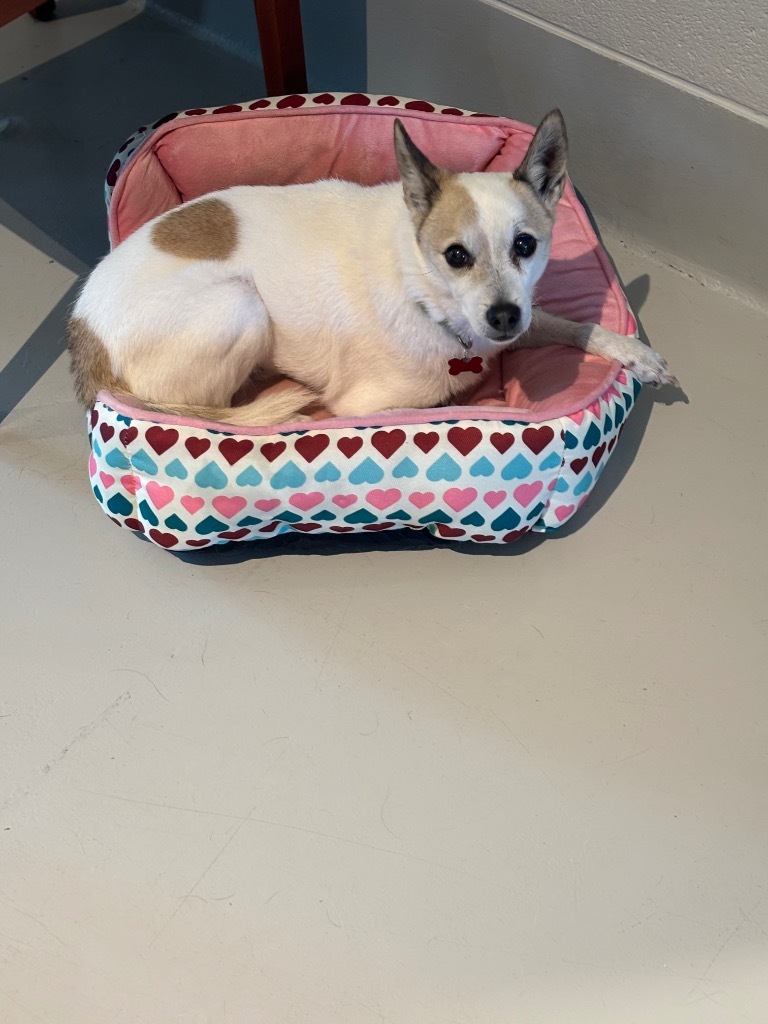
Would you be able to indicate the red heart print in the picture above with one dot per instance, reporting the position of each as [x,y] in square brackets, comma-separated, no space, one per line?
[537,438]
[578,464]
[309,446]
[234,450]
[612,442]
[388,101]
[349,445]
[483,537]
[342,529]
[94,418]
[258,105]
[272,450]
[196,446]
[426,440]
[269,527]
[234,534]
[161,440]
[166,540]
[127,435]
[502,442]
[291,101]
[420,105]
[197,543]
[386,442]
[510,538]
[449,531]
[106,430]
[324,97]
[135,524]
[373,527]
[356,99]
[598,453]
[306,527]
[464,439]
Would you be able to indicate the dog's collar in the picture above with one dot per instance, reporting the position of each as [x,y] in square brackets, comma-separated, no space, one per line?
[467,363]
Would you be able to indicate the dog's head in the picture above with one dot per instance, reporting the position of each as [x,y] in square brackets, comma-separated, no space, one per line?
[485,237]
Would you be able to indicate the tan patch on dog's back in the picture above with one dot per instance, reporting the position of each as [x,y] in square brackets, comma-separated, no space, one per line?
[90,363]
[203,230]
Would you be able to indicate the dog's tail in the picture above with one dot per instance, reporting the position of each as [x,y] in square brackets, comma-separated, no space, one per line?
[265,411]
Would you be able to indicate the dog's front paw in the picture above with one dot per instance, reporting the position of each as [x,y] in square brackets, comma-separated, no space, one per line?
[649,367]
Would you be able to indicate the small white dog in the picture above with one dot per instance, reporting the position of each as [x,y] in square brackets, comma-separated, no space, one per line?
[369,302]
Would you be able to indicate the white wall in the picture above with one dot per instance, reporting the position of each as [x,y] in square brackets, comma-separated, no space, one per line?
[669,166]
[719,46]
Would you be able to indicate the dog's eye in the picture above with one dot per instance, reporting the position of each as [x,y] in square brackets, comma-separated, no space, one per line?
[524,245]
[457,257]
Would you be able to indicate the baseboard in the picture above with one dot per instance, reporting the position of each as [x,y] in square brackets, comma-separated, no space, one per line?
[667,167]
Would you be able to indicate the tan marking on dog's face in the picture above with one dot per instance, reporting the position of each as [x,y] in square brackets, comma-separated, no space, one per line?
[203,230]
[90,363]
[453,217]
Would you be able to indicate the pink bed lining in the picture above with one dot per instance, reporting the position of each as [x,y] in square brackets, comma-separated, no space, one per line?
[190,157]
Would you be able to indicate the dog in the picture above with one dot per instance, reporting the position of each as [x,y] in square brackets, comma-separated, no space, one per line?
[370,298]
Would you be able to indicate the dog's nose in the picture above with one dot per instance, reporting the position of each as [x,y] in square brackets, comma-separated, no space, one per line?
[503,317]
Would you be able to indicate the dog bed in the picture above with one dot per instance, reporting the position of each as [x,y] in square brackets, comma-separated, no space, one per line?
[521,453]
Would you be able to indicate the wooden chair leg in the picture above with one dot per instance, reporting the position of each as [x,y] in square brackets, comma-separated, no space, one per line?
[282,46]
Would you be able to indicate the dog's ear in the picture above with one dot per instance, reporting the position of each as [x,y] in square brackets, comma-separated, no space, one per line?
[543,166]
[422,180]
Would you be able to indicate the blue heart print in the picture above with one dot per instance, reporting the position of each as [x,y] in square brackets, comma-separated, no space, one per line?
[518,469]
[177,469]
[210,525]
[592,436]
[288,476]
[444,469]
[508,520]
[175,523]
[483,467]
[250,477]
[327,472]
[361,516]
[583,485]
[436,517]
[211,476]
[117,459]
[147,513]
[144,463]
[119,505]
[405,468]
[552,461]
[366,473]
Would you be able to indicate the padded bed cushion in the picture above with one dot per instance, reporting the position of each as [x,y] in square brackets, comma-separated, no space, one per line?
[523,450]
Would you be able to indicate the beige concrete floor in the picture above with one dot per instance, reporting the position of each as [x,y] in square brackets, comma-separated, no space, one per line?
[406,786]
